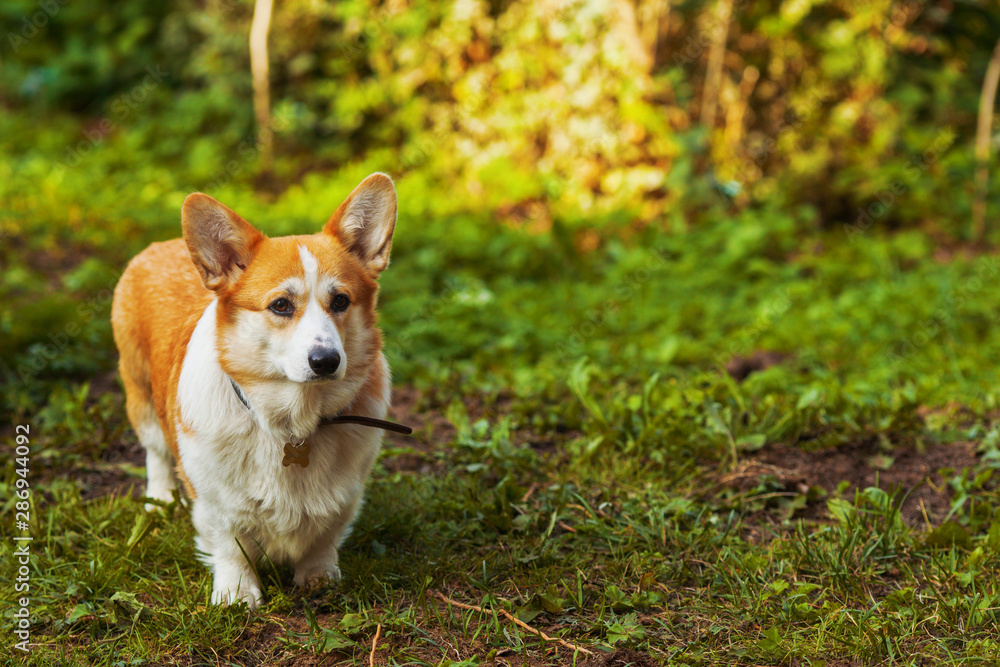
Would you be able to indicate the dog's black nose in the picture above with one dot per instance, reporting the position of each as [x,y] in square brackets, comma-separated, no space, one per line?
[324,361]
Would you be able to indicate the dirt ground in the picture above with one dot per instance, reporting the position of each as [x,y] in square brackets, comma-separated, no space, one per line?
[915,473]
[926,494]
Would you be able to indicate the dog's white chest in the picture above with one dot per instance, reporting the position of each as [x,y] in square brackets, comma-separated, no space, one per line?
[233,457]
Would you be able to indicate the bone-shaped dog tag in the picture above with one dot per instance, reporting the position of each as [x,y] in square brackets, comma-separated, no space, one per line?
[297,454]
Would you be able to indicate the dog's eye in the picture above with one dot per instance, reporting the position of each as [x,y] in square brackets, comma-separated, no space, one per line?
[281,307]
[340,302]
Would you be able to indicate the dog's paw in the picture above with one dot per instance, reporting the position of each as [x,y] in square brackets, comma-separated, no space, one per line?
[158,507]
[164,495]
[251,595]
[312,575]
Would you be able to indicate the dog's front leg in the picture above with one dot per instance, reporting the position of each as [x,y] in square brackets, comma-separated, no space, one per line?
[321,560]
[233,578]
[319,563]
[234,581]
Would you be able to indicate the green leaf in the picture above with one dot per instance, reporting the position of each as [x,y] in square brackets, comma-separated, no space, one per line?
[333,640]
[771,641]
[808,399]
[616,633]
[947,535]
[551,603]
[840,509]
[751,443]
[144,522]
[899,599]
[993,537]
[881,461]
[79,612]
[616,597]
[527,613]
[352,622]
[625,628]
[579,383]
[129,601]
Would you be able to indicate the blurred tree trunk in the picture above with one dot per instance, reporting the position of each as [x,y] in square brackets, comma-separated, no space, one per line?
[983,127]
[640,27]
[654,17]
[629,32]
[261,84]
[713,71]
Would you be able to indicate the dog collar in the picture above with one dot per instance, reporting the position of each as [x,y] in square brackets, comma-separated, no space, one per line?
[298,453]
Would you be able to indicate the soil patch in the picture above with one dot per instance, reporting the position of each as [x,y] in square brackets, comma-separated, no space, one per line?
[620,658]
[430,429]
[109,475]
[740,367]
[862,464]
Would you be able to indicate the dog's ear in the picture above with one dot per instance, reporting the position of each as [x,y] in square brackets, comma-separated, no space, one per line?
[221,243]
[365,221]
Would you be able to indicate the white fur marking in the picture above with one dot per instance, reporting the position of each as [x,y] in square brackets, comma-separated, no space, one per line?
[314,329]
[160,479]
[311,268]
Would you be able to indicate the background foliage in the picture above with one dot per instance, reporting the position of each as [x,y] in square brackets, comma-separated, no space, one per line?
[550,117]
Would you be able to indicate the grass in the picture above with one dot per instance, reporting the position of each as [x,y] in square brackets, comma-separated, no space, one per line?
[618,556]
[589,456]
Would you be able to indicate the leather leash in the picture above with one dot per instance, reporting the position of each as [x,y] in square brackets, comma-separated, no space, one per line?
[367,421]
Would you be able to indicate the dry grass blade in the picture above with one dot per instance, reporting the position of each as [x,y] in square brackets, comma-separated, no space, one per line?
[519,623]
[371,656]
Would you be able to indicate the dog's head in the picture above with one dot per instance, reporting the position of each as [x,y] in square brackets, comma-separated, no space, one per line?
[296,308]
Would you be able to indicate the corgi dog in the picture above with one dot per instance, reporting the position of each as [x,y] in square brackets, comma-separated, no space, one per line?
[235,350]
